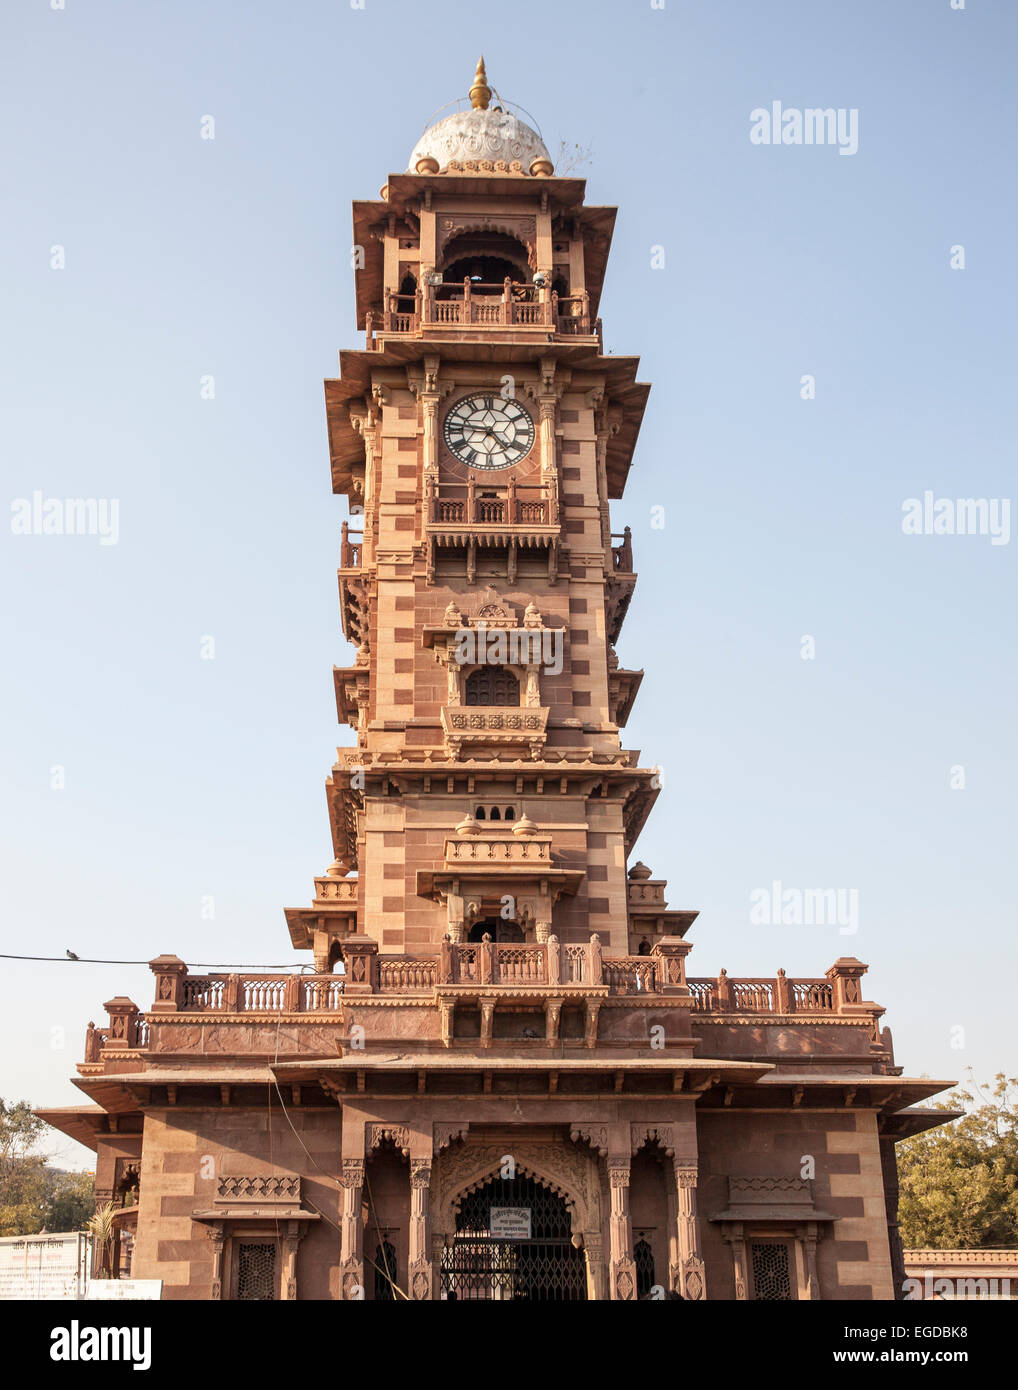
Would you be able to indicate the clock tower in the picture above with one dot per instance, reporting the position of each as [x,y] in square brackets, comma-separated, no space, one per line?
[497,1081]
[480,437]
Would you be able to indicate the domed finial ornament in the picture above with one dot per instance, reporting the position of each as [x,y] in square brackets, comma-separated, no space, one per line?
[480,92]
[468,826]
[525,826]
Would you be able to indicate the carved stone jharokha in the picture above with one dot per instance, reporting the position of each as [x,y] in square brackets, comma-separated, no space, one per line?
[491,1076]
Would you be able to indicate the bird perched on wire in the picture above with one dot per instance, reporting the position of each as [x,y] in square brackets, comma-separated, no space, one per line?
[71,955]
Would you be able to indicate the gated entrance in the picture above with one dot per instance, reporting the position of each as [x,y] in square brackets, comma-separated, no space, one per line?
[512,1242]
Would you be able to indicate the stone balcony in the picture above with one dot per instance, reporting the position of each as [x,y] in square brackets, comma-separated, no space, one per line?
[469,729]
[473,310]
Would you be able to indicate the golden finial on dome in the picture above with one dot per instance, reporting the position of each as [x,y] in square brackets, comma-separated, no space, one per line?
[480,92]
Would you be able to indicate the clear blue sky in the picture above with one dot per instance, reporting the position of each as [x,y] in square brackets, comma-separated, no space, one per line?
[187,257]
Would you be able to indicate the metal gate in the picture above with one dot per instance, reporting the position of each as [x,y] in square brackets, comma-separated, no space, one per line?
[541,1268]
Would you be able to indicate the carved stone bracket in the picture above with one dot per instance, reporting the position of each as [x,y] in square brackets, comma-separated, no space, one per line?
[398,1134]
[594,1135]
[664,1135]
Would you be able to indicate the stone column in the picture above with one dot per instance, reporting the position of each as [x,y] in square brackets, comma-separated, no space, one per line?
[693,1284]
[351,1256]
[808,1237]
[290,1242]
[419,1280]
[217,1239]
[593,1257]
[622,1268]
[736,1239]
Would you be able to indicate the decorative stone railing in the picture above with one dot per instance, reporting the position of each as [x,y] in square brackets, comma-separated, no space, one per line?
[406,974]
[512,966]
[458,504]
[507,304]
[507,851]
[763,995]
[630,974]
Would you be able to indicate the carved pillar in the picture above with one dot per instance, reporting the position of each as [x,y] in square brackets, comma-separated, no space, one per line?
[351,1253]
[429,402]
[693,1283]
[622,1268]
[808,1238]
[736,1239]
[291,1240]
[217,1239]
[593,1257]
[547,404]
[420,1229]
[552,1016]
[554,954]
[487,1021]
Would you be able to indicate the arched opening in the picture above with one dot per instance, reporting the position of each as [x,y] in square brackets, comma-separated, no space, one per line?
[644,948]
[513,1244]
[336,966]
[480,813]
[385,1272]
[486,259]
[497,929]
[406,299]
[650,1173]
[492,685]
[643,1258]
[496,814]
[384,1212]
[510,814]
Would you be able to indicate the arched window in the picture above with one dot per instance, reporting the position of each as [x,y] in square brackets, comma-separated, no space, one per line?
[496,814]
[644,948]
[485,258]
[492,685]
[643,1257]
[480,813]
[510,814]
[385,1272]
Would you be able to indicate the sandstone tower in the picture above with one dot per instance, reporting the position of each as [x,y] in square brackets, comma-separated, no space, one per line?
[498,1081]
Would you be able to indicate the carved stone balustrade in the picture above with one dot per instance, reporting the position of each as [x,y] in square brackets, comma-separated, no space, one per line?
[839,992]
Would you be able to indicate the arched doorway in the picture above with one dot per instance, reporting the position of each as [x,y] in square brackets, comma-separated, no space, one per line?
[513,1244]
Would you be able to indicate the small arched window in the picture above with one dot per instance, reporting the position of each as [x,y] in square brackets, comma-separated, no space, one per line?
[510,814]
[495,814]
[480,813]
[492,685]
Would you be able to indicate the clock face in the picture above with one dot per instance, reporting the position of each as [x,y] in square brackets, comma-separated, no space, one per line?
[489,432]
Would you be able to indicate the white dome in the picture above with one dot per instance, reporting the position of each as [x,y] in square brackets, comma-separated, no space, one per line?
[481,140]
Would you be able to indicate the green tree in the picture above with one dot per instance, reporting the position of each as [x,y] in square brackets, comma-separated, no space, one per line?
[32,1195]
[70,1200]
[22,1171]
[958,1184]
